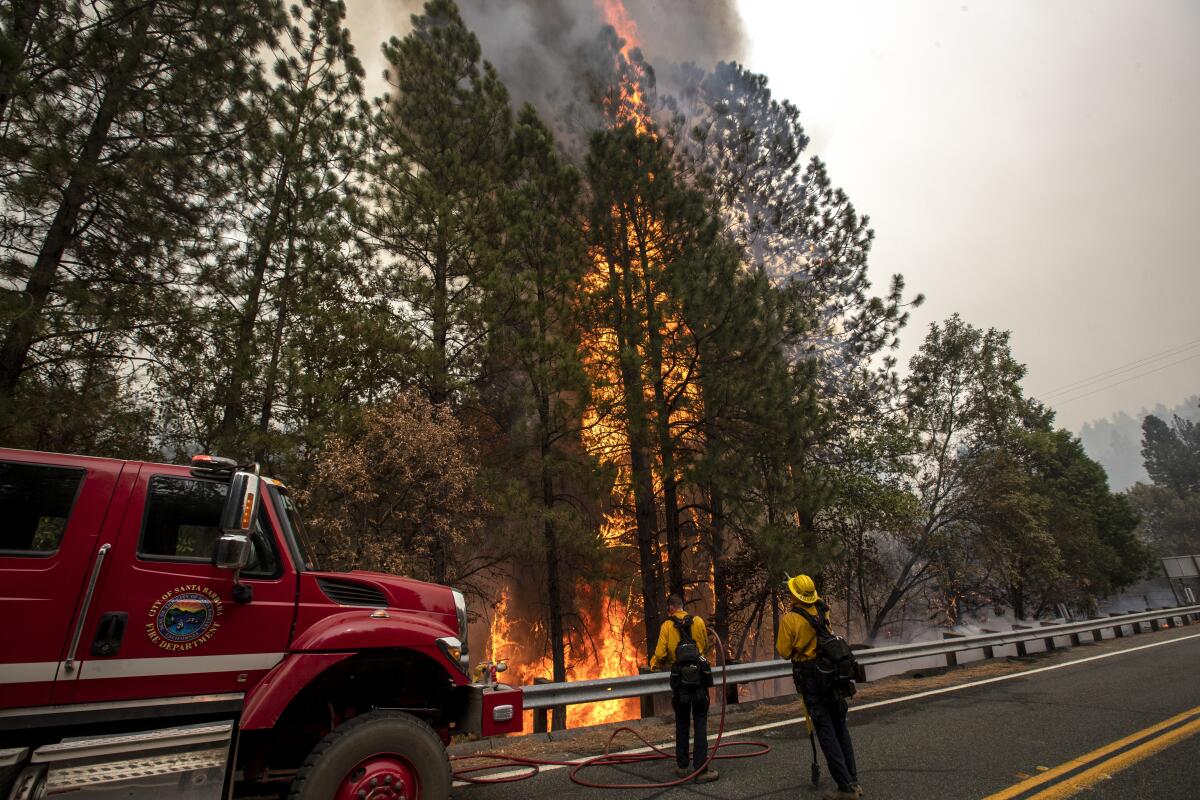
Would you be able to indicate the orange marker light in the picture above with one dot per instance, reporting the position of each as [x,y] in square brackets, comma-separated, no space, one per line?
[247,510]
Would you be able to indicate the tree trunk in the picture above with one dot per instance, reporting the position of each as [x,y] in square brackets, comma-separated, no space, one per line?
[662,415]
[717,553]
[639,463]
[271,381]
[755,620]
[20,335]
[554,602]
[553,586]
[1016,599]
[439,390]
[241,367]
[666,450]
[24,15]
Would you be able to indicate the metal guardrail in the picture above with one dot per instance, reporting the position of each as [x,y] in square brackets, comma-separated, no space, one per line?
[550,695]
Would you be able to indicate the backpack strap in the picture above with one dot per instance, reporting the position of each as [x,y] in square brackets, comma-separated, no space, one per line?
[819,623]
[684,626]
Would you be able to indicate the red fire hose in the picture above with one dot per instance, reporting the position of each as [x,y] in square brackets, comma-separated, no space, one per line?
[610,759]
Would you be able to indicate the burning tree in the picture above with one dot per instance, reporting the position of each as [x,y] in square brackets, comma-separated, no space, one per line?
[536,386]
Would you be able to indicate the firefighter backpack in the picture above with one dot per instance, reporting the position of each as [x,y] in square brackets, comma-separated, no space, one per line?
[691,674]
[835,659]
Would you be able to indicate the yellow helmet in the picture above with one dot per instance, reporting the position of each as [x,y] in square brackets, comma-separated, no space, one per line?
[803,589]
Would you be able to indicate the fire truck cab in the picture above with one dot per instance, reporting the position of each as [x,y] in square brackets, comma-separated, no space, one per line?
[169,632]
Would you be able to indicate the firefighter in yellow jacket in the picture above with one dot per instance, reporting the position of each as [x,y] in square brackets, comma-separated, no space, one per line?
[797,642]
[690,704]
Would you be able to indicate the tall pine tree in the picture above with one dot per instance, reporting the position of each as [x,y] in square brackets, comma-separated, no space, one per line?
[113,123]
[441,134]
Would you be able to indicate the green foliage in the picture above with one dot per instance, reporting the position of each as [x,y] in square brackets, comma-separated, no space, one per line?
[536,388]
[1172,454]
[440,137]
[1170,524]
[1170,508]
[113,125]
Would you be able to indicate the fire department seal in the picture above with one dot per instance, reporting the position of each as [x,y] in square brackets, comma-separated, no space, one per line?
[184,618]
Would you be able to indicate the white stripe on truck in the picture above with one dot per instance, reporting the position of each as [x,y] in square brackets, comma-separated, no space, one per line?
[28,672]
[44,671]
[176,665]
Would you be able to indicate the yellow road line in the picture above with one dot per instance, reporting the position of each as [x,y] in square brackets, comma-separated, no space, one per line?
[1103,768]
[1106,769]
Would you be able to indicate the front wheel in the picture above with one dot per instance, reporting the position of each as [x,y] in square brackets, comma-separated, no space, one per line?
[381,755]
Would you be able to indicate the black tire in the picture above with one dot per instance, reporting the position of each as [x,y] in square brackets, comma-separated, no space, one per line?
[377,731]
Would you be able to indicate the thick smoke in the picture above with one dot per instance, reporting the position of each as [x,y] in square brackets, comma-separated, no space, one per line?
[541,48]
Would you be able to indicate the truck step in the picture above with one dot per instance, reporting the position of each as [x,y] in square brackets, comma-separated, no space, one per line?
[188,761]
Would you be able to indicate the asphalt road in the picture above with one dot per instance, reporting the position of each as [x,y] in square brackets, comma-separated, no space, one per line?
[978,740]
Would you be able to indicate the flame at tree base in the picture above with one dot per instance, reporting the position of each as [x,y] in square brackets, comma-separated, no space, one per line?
[605,647]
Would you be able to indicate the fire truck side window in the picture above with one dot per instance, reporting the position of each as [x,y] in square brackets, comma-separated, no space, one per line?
[183,517]
[35,504]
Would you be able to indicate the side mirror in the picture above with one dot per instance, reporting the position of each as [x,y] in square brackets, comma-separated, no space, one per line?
[233,548]
[232,551]
[241,505]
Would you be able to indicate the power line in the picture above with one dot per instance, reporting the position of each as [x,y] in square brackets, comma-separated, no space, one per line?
[1126,380]
[1115,371]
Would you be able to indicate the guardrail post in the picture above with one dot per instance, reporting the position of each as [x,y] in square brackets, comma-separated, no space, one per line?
[731,688]
[858,649]
[1136,627]
[646,701]
[653,705]
[951,658]
[1154,626]
[540,715]
[988,650]
[1118,629]
[1049,640]
[1021,649]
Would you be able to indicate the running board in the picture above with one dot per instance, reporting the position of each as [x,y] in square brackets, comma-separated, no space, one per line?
[188,761]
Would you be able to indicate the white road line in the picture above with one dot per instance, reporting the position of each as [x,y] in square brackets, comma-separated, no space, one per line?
[891,701]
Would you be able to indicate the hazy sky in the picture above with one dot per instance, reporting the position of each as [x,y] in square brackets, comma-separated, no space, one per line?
[1032,165]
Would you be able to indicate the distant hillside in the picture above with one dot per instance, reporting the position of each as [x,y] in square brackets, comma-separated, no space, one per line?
[1116,442]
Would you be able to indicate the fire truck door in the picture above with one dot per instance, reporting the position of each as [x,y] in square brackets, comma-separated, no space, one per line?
[55,511]
[165,622]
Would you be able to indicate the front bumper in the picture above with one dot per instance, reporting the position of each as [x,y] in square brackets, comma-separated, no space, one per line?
[492,709]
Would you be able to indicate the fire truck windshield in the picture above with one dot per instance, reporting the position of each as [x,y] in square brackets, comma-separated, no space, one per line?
[293,528]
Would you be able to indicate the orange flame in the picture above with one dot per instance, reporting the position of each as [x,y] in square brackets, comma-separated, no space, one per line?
[607,649]
[626,102]
[609,645]
[617,16]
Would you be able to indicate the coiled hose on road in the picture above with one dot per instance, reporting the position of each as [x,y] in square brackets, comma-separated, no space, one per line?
[609,759]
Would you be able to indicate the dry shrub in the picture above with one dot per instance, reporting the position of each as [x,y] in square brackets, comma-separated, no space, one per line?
[398,495]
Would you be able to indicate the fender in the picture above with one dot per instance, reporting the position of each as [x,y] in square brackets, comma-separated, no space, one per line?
[359,630]
[332,640]
[270,696]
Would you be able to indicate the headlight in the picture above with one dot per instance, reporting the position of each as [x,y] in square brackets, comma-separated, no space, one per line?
[460,610]
[453,650]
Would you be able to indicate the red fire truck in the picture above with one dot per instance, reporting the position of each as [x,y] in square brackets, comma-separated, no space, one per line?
[167,631]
